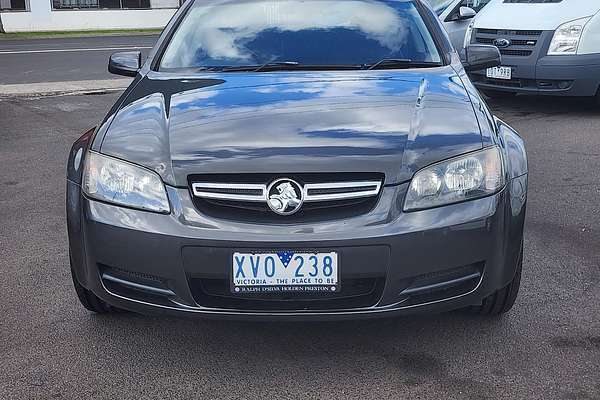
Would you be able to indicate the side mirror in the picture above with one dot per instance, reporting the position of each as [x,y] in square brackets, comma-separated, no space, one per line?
[462,14]
[480,56]
[125,63]
[466,13]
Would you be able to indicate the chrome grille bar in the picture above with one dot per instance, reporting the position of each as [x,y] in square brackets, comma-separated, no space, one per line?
[230,191]
[340,190]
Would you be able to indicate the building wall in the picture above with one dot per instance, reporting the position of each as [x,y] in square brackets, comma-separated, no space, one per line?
[41,17]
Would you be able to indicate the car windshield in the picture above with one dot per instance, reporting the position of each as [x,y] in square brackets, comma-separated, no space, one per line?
[236,35]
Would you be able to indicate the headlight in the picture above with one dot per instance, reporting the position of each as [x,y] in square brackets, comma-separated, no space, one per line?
[566,38]
[462,178]
[468,35]
[119,182]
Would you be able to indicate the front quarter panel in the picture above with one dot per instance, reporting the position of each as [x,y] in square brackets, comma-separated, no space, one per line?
[481,110]
[75,164]
[517,169]
[77,155]
[515,161]
[514,150]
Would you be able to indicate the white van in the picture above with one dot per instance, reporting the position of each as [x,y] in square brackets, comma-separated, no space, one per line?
[547,46]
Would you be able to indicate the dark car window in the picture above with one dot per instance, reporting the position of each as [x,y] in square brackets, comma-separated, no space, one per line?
[303,32]
[476,5]
[439,6]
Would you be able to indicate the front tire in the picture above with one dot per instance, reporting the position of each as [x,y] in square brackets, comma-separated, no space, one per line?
[502,300]
[89,300]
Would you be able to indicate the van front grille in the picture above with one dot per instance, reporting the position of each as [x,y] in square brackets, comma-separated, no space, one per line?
[486,40]
[522,43]
[517,53]
[506,32]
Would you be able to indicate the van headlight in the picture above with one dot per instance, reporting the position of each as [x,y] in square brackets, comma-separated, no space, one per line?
[466,177]
[468,35]
[119,182]
[566,38]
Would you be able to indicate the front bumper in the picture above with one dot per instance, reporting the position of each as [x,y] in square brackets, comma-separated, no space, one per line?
[433,260]
[549,75]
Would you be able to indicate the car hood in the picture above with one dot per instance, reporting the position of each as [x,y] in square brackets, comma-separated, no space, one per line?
[390,122]
[534,16]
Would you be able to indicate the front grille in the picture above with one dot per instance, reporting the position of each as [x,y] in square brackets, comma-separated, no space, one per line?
[509,32]
[229,191]
[517,53]
[523,43]
[327,196]
[485,40]
[354,293]
[528,33]
[329,190]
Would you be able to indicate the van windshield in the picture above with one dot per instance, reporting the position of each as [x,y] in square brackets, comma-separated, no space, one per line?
[533,1]
[237,35]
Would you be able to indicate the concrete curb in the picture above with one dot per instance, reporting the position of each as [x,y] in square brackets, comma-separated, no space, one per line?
[62,88]
[71,35]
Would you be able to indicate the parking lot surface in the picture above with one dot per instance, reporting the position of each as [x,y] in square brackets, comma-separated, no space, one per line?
[548,347]
[64,59]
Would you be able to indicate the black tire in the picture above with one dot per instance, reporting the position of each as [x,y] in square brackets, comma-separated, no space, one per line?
[501,301]
[89,300]
[497,94]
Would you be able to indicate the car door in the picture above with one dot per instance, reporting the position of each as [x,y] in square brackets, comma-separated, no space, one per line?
[456,24]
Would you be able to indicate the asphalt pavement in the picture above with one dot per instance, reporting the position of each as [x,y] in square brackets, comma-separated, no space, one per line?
[26,61]
[547,347]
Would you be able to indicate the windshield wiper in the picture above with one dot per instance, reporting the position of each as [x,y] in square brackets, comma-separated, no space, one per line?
[271,65]
[277,65]
[402,63]
[295,65]
[390,62]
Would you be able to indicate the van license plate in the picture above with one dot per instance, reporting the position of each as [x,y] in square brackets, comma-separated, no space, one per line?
[284,271]
[499,73]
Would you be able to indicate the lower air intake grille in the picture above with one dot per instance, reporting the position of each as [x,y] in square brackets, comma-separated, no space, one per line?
[443,285]
[135,285]
[355,293]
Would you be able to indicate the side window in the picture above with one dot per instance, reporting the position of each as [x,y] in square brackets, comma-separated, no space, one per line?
[439,6]
[476,5]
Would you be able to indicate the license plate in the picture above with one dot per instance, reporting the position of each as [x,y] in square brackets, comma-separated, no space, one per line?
[284,271]
[499,73]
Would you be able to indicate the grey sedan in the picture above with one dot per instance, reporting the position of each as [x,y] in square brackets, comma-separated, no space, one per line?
[303,159]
